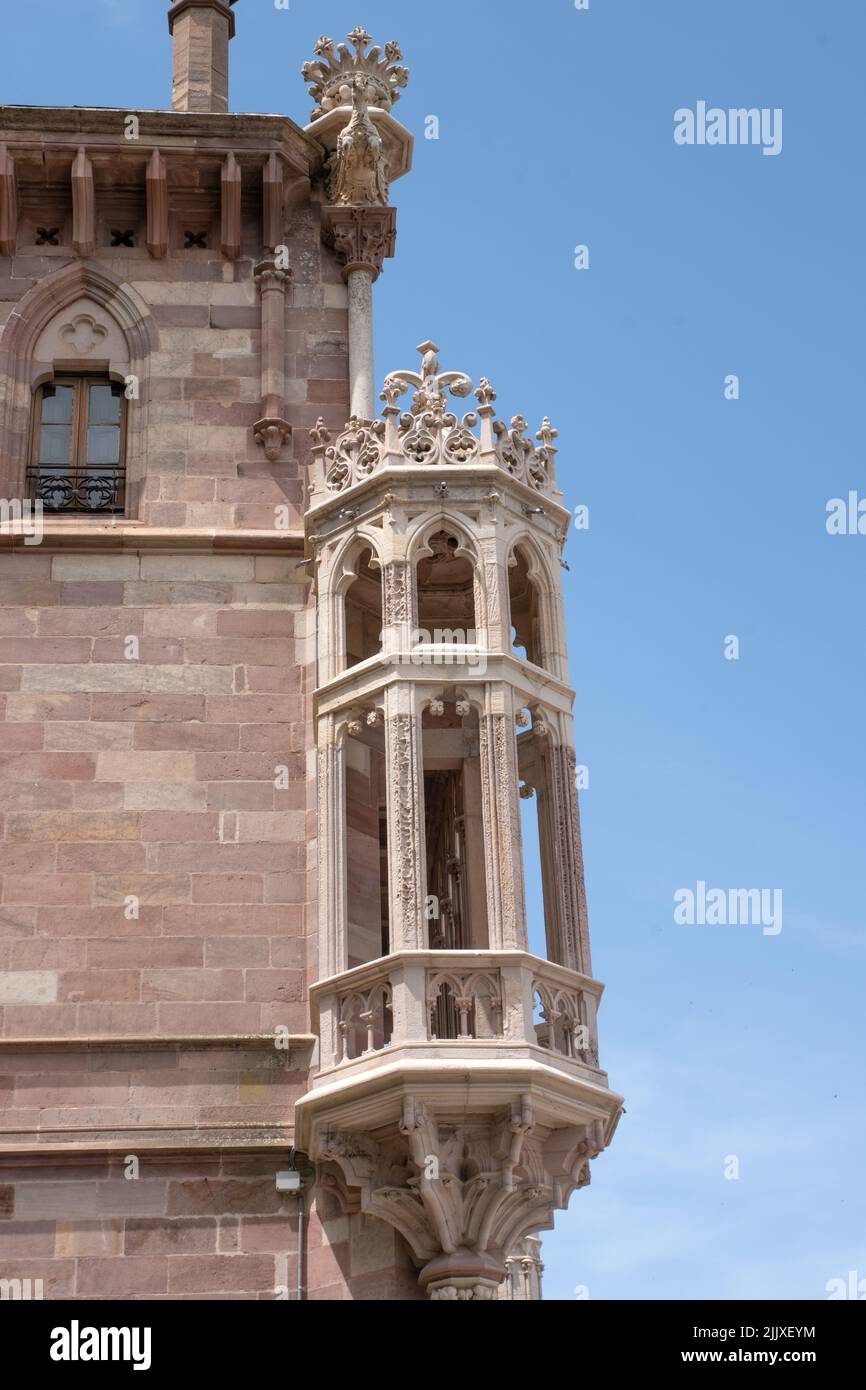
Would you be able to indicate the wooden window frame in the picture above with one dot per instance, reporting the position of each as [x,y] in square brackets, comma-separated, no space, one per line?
[77,471]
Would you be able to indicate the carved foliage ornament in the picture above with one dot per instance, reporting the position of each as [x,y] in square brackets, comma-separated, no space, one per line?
[331,73]
[355,455]
[361,236]
[430,433]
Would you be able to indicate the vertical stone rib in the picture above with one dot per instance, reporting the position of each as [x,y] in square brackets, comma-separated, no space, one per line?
[230,208]
[568,879]
[8,204]
[272,203]
[83,205]
[156,183]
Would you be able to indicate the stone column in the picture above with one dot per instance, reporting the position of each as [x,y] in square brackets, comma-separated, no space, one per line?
[506,907]
[331,835]
[567,880]
[362,237]
[407,890]
[396,607]
[362,389]
[272,431]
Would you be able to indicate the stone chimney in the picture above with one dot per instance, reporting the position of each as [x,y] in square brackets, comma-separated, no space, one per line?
[200,31]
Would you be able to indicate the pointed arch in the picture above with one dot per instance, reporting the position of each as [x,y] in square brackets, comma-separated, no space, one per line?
[33,347]
[466,550]
[337,574]
[538,623]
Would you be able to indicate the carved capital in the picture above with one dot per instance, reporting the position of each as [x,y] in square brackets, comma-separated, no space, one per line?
[362,237]
[269,276]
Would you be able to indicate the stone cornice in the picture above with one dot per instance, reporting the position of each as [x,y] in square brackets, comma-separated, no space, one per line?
[145,1139]
[29,127]
[131,537]
[125,1042]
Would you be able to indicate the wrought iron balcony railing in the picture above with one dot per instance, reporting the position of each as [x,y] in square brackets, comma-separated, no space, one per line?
[61,491]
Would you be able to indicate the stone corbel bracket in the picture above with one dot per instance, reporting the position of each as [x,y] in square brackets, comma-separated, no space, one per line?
[272,431]
[458,1223]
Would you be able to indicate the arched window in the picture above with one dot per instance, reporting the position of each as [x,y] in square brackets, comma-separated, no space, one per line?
[78,445]
[74,390]
[525,609]
[363,610]
[446,592]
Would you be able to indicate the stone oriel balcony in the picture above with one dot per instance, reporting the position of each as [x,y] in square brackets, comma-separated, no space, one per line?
[459,1099]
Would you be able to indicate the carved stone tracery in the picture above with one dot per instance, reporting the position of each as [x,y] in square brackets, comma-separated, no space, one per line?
[428,432]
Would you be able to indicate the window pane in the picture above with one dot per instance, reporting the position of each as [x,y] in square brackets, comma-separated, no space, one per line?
[104,406]
[103,444]
[57,407]
[55,442]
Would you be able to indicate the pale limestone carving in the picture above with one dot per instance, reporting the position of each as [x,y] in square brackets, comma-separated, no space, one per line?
[358,168]
[429,432]
[332,72]
[397,598]
[453,1191]
[354,455]
[405,828]
[362,237]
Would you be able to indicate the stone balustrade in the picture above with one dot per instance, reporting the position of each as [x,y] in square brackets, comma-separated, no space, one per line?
[457,997]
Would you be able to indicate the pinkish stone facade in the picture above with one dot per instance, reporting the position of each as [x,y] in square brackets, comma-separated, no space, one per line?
[171,751]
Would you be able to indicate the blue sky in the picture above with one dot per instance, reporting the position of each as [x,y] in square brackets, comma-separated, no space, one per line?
[707,518]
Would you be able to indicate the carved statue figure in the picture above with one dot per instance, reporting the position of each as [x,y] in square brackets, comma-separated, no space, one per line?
[358,169]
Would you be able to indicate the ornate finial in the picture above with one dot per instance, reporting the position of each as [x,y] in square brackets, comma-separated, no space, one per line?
[331,76]
[485,395]
[320,434]
[547,434]
[430,384]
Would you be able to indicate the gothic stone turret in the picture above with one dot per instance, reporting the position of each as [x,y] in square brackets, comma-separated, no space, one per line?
[459,1096]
